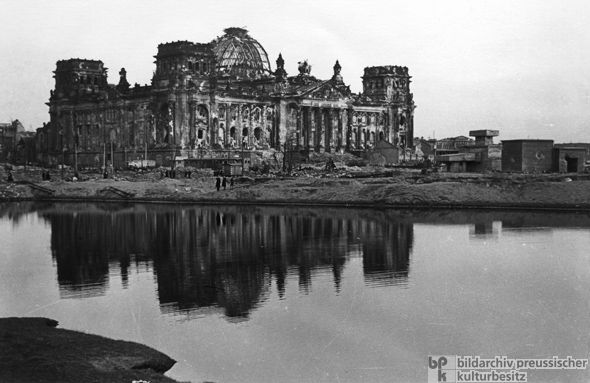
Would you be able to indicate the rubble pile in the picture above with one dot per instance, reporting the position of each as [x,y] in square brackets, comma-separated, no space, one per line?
[8,191]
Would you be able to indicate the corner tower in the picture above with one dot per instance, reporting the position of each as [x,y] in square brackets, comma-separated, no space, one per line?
[390,85]
[78,78]
[181,61]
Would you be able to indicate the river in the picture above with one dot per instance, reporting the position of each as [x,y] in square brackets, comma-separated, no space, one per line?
[269,294]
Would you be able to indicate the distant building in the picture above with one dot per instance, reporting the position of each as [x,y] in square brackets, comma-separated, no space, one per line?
[452,145]
[481,155]
[10,135]
[424,149]
[219,96]
[42,144]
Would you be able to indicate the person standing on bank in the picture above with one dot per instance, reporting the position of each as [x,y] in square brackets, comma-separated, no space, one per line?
[224,183]
[218,183]
[231,182]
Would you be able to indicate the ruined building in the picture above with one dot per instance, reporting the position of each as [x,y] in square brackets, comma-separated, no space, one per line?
[207,99]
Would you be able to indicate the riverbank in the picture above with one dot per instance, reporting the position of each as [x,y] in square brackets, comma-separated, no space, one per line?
[371,187]
[34,350]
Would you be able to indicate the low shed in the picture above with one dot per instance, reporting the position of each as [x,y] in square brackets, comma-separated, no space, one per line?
[533,156]
[232,168]
[386,149]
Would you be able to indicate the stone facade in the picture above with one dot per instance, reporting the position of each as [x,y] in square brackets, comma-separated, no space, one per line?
[207,98]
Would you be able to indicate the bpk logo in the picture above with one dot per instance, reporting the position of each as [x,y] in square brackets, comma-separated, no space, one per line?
[442,368]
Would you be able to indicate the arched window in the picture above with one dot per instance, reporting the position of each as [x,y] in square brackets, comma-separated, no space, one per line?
[202,112]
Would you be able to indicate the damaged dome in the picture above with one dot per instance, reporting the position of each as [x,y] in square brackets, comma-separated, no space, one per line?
[239,55]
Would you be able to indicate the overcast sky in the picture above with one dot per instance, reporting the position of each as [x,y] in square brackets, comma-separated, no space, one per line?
[520,67]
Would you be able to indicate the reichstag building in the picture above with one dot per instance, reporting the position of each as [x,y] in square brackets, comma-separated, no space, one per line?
[209,98]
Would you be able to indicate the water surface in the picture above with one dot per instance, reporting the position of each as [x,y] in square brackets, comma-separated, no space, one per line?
[252,294]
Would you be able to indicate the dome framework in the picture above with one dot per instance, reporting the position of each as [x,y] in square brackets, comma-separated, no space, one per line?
[239,55]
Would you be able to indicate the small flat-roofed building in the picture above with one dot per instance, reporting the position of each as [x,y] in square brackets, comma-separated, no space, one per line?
[534,156]
[569,159]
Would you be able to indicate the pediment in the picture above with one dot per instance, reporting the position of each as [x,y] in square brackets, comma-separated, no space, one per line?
[328,91]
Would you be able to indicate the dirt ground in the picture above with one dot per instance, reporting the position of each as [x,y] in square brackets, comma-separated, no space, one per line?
[34,350]
[312,185]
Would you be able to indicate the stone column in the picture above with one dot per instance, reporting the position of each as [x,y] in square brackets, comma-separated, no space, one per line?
[300,136]
[333,136]
[327,117]
[340,131]
[410,128]
[276,128]
[264,126]
[239,124]
[192,119]
[349,129]
[251,128]
[310,131]
[171,123]
[318,129]
[227,122]
[395,125]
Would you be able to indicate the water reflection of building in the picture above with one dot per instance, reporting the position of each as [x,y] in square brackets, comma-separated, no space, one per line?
[87,244]
[485,230]
[223,257]
[387,261]
[82,263]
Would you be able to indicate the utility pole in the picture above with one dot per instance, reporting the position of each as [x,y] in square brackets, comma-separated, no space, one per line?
[285,166]
[242,156]
[63,153]
[15,142]
[173,157]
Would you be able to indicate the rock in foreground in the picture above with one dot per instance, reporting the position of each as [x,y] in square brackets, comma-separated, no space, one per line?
[34,350]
